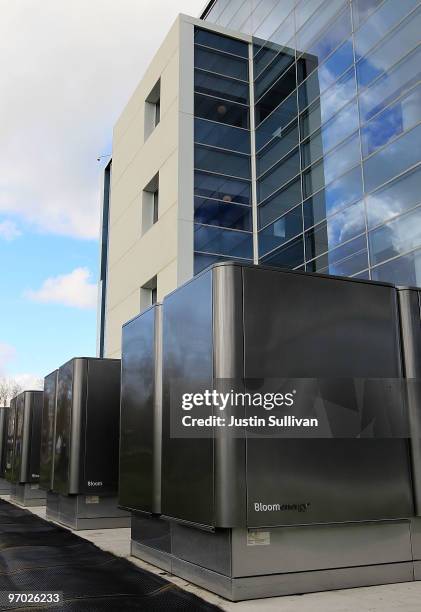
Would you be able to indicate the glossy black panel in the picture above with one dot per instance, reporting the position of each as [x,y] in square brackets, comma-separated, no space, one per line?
[187,464]
[48,431]
[26,457]
[63,425]
[87,427]
[136,483]
[17,456]
[102,426]
[3,439]
[351,330]
[34,454]
[10,440]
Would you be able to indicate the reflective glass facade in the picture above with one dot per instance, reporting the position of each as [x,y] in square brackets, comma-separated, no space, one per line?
[222,150]
[323,110]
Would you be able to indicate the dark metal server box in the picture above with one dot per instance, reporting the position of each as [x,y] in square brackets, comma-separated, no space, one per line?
[4,485]
[3,438]
[24,472]
[10,441]
[242,322]
[235,322]
[87,427]
[48,431]
[141,419]
[27,437]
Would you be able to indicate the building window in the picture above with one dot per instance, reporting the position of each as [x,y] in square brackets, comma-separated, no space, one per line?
[150,203]
[148,294]
[153,109]
[155,198]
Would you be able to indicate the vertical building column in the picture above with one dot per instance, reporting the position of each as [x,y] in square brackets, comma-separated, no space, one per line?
[253,158]
[103,261]
[185,238]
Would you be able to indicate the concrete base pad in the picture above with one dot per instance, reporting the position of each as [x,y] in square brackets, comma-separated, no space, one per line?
[4,487]
[86,512]
[27,495]
[288,561]
[273,585]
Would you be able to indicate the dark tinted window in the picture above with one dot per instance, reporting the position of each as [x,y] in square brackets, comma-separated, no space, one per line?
[281,90]
[221,135]
[283,200]
[221,63]
[215,212]
[223,241]
[289,256]
[223,162]
[221,188]
[214,85]
[223,43]
[282,230]
[221,110]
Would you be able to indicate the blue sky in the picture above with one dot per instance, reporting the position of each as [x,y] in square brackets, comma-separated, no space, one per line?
[66,72]
[44,334]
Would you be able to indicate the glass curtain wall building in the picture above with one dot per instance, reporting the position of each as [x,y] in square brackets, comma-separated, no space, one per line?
[318,124]
[222,175]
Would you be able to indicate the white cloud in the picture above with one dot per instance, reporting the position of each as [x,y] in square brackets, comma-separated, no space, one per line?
[9,230]
[29,381]
[66,72]
[73,289]
[7,354]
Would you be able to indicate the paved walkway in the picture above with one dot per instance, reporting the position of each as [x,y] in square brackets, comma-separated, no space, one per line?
[404,597]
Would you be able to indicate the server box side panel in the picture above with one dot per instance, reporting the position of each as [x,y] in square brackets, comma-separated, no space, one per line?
[35,439]
[187,463]
[78,426]
[3,434]
[10,440]
[157,412]
[409,305]
[137,413]
[48,428]
[100,469]
[19,438]
[26,436]
[230,449]
[63,424]
[307,327]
